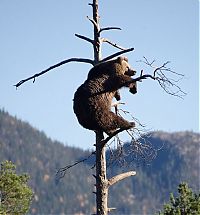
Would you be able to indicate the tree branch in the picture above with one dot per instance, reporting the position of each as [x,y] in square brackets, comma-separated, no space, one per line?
[83,60]
[93,22]
[85,38]
[142,77]
[62,171]
[117,54]
[111,209]
[164,82]
[112,44]
[159,74]
[104,141]
[109,28]
[120,177]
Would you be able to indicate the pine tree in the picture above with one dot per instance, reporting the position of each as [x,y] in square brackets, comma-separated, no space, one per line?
[15,194]
[187,203]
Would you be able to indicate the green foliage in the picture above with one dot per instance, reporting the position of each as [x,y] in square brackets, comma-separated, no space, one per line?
[15,195]
[188,203]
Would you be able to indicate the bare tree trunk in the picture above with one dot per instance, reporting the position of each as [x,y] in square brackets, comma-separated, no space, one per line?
[101,178]
[97,41]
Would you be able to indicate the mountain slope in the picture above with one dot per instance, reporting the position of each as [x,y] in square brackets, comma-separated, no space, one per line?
[40,157]
[144,193]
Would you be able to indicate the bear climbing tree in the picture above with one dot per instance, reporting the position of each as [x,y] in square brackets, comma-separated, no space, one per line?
[95,96]
[93,99]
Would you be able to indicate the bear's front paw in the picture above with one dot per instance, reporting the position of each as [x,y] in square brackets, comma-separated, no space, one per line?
[118,97]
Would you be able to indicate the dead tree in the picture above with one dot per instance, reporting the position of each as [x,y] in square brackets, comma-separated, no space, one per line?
[102,182]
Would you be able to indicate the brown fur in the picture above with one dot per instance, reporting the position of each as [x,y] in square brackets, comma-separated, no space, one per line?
[92,100]
[95,72]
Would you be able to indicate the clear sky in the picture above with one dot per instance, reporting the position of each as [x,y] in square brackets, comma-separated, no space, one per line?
[37,34]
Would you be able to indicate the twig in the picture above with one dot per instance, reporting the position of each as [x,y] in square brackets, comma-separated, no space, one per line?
[93,22]
[140,78]
[112,44]
[139,149]
[165,82]
[163,66]
[83,60]
[62,171]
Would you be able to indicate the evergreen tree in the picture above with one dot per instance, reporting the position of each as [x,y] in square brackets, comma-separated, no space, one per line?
[15,194]
[187,203]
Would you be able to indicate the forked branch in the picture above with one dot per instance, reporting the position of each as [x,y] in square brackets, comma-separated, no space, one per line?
[167,83]
[62,171]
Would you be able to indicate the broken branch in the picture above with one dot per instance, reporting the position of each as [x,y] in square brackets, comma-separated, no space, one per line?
[120,177]
[111,209]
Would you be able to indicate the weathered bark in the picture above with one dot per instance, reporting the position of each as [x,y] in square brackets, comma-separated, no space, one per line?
[101,178]
[97,41]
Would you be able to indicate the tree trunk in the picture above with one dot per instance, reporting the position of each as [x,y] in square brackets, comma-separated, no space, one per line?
[101,178]
[97,41]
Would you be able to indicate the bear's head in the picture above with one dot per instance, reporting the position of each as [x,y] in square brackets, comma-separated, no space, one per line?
[123,67]
[118,66]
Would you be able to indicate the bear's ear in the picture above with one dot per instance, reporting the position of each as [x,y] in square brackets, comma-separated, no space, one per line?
[126,59]
[121,59]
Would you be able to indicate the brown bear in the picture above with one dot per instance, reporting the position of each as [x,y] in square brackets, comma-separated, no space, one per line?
[92,100]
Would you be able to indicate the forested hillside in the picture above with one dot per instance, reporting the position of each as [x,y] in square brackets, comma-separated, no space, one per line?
[40,157]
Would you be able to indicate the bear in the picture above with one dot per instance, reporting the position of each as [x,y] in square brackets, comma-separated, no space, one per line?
[92,100]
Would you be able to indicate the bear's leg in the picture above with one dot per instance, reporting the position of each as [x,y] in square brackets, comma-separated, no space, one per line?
[114,122]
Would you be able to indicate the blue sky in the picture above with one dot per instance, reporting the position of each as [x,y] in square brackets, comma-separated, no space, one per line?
[37,34]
